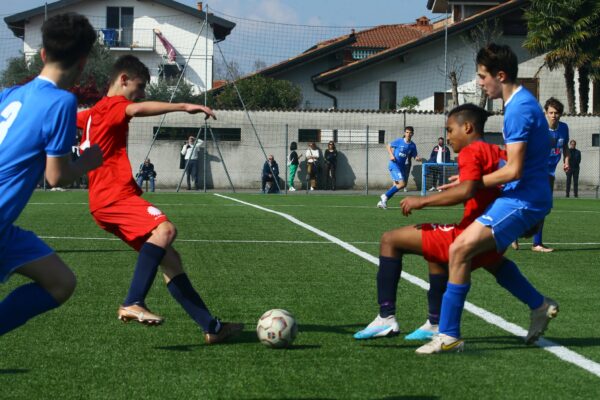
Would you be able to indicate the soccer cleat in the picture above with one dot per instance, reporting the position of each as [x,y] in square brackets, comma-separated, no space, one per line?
[312,188]
[292,189]
[228,330]
[405,190]
[383,202]
[433,188]
[540,318]
[442,344]
[425,332]
[540,248]
[380,327]
[138,313]
[515,245]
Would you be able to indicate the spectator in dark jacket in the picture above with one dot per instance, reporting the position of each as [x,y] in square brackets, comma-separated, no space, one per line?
[270,174]
[147,173]
[573,171]
[439,155]
[330,156]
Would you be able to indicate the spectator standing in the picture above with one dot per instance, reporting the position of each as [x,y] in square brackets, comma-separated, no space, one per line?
[439,155]
[270,173]
[293,161]
[573,171]
[331,164]
[190,153]
[312,164]
[146,173]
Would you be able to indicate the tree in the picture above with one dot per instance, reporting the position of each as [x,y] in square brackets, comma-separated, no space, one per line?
[409,102]
[480,36]
[567,32]
[259,92]
[165,88]
[92,83]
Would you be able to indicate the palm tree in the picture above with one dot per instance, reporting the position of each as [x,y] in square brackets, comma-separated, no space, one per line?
[567,31]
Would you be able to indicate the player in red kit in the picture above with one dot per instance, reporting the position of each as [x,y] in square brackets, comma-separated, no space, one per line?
[116,205]
[465,127]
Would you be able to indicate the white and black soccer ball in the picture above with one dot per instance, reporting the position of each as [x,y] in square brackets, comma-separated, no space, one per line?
[277,329]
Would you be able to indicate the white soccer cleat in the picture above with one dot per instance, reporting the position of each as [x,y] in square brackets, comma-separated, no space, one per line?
[442,344]
[292,189]
[383,202]
[433,188]
[380,327]
[540,318]
[424,332]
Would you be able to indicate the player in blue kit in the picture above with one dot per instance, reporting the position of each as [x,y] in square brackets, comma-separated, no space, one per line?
[37,130]
[559,139]
[401,151]
[523,203]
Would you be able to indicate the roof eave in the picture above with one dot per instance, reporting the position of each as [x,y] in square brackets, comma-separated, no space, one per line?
[402,49]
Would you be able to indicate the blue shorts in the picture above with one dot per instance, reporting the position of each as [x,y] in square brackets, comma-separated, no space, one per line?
[510,219]
[19,247]
[397,172]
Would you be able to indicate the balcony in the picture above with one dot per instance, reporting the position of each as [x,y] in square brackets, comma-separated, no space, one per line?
[127,39]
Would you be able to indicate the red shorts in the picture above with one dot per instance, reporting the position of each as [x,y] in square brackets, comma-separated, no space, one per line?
[132,219]
[436,244]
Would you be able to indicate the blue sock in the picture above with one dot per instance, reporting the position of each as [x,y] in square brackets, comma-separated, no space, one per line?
[182,290]
[437,287]
[148,261]
[387,284]
[537,238]
[510,278]
[22,304]
[391,192]
[453,304]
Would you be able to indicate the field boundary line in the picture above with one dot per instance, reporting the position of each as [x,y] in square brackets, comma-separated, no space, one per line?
[558,350]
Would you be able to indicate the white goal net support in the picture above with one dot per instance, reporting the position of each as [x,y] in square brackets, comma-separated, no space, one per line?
[433,175]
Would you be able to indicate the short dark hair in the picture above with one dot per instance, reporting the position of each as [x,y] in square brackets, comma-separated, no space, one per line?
[495,58]
[440,138]
[409,128]
[67,38]
[130,65]
[293,146]
[554,103]
[470,113]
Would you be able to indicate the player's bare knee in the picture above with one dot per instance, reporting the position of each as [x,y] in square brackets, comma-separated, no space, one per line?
[166,233]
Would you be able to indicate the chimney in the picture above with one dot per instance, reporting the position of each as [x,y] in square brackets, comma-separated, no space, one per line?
[199,5]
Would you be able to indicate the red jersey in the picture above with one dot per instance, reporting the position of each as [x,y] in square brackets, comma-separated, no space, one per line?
[107,125]
[474,161]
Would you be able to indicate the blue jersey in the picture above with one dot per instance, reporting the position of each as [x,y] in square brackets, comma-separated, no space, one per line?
[36,120]
[402,151]
[558,138]
[524,121]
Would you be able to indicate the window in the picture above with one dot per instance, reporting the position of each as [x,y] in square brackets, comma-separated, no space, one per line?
[596,98]
[119,20]
[309,135]
[595,139]
[442,102]
[494,138]
[364,53]
[381,138]
[531,84]
[182,133]
[387,96]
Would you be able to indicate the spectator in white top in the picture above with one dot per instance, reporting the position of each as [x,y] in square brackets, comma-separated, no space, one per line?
[312,162]
[190,151]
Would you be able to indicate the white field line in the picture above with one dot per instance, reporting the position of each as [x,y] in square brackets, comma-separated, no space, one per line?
[560,351]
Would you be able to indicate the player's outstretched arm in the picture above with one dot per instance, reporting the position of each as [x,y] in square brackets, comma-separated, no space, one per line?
[150,108]
[61,170]
[455,195]
[515,154]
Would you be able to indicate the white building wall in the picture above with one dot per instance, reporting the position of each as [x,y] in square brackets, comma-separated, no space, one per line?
[180,29]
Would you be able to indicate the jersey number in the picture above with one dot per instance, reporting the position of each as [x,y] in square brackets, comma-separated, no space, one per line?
[9,114]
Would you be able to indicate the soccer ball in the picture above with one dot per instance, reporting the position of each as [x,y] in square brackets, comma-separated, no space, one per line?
[277,329]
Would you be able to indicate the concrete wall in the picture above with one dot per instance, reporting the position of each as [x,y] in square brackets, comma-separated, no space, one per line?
[244,159]
[180,29]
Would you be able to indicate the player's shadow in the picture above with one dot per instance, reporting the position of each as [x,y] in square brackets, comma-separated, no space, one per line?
[575,342]
[92,251]
[578,249]
[13,371]
[340,329]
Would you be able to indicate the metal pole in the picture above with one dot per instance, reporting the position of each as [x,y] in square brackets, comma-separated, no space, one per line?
[286,158]
[205,152]
[205,157]
[367,164]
